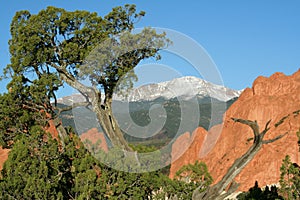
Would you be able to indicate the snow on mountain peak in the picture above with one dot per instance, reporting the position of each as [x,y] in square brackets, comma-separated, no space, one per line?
[184,87]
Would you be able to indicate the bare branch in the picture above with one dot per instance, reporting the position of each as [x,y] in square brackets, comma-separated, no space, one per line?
[295,113]
[281,120]
[253,124]
[85,96]
[232,188]
[267,128]
[274,139]
[267,125]
[75,105]
[216,191]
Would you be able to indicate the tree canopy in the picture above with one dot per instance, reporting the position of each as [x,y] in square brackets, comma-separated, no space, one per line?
[57,46]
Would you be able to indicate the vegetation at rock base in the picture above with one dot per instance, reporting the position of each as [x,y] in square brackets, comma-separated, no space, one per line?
[289,183]
[290,177]
[41,169]
[196,174]
[257,193]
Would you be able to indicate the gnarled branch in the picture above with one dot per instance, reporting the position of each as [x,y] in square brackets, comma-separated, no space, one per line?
[74,105]
[274,139]
[216,191]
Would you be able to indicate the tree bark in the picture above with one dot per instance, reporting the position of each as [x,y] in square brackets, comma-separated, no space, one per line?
[110,125]
[103,112]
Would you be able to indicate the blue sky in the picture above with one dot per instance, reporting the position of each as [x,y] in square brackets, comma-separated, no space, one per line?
[245,39]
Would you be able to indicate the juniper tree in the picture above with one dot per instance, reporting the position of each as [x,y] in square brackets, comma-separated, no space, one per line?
[68,46]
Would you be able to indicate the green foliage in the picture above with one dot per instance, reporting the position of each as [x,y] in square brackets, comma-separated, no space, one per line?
[56,41]
[110,65]
[196,173]
[24,106]
[132,186]
[256,193]
[38,168]
[132,162]
[178,189]
[142,148]
[289,179]
[187,179]
[56,46]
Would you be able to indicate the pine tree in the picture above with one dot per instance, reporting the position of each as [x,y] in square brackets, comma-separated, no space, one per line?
[289,179]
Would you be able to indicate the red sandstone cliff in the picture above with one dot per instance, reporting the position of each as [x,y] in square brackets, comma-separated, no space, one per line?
[3,156]
[269,98]
[94,136]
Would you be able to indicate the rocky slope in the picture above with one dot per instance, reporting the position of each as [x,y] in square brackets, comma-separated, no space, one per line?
[269,98]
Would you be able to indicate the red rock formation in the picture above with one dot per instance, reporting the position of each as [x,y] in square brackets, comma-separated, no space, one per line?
[51,128]
[3,156]
[269,98]
[186,148]
[94,136]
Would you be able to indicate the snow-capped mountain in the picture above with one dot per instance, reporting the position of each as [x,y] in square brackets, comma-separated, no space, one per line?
[144,97]
[183,88]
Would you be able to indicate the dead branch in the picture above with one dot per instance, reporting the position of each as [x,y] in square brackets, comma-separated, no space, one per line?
[68,108]
[274,139]
[217,191]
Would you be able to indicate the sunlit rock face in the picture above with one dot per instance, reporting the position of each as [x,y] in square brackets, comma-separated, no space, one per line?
[269,99]
[3,156]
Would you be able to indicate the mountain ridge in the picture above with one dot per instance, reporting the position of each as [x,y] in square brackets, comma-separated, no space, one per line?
[183,88]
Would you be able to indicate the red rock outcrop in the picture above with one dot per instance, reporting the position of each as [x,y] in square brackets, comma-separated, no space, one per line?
[3,156]
[94,136]
[187,144]
[187,147]
[51,128]
[269,99]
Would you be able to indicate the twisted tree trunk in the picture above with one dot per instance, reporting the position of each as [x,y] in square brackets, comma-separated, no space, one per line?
[103,110]
[110,125]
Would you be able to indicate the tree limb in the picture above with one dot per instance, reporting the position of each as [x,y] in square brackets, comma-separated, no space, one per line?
[253,124]
[75,105]
[274,139]
[267,128]
[216,192]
